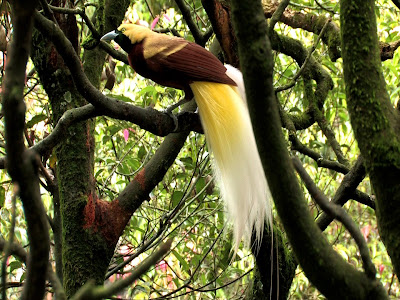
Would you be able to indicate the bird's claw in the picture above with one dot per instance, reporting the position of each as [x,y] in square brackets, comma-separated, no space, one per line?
[169,110]
[173,117]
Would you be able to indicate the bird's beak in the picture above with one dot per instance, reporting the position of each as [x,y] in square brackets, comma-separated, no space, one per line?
[109,36]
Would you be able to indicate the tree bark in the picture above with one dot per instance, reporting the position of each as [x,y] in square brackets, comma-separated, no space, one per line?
[374,119]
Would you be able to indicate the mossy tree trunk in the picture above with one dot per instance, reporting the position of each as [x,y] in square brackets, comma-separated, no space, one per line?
[374,119]
[334,277]
[84,254]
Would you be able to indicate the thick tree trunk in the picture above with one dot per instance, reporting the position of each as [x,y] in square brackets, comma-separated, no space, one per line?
[374,119]
[75,155]
[323,266]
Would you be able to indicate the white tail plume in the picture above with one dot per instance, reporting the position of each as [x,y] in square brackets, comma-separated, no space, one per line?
[238,167]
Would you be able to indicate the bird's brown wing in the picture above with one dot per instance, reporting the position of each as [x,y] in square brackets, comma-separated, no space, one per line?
[185,60]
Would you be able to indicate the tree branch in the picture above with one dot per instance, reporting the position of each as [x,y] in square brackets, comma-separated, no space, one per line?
[8,246]
[347,190]
[298,146]
[314,23]
[18,251]
[219,15]
[308,22]
[22,164]
[80,12]
[277,15]
[323,124]
[302,68]
[321,162]
[199,38]
[312,70]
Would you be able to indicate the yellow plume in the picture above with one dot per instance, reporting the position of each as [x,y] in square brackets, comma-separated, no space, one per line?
[238,167]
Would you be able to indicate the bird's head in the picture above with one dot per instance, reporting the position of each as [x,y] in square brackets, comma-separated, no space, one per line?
[127,35]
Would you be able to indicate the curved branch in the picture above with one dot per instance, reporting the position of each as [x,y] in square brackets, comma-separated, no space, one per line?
[321,162]
[111,218]
[314,23]
[347,190]
[15,249]
[18,251]
[277,14]
[187,121]
[363,198]
[298,146]
[323,123]
[308,22]
[313,69]
[118,55]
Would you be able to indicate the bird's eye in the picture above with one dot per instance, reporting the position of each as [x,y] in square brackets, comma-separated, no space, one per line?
[123,30]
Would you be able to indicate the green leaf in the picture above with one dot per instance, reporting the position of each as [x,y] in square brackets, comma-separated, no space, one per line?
[120,98]
[201,182]
[187,161]
[113,129]
[36,119]
[182,261]
[123,169]
[142,152]
[133,163]
[15,265]
[176,197]
[147,90]
[2,196]
[22,277]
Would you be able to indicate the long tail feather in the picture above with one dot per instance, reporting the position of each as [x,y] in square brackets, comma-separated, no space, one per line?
[238,168]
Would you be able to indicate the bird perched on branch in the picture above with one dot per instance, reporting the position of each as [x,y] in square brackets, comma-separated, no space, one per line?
[180,64]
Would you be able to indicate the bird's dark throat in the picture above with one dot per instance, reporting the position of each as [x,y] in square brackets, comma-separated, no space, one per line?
[123,41]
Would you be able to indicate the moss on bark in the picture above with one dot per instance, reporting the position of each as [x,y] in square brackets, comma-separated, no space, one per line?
[85,254]
[373,117]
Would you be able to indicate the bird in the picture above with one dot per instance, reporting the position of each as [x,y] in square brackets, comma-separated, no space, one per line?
[220,97]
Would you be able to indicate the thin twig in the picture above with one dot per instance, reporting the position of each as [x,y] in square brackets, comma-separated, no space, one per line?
[277,15]
[18,251]
[200,38]
[47,11]
[80,12]
[90,292]
[164,225]
[326,9]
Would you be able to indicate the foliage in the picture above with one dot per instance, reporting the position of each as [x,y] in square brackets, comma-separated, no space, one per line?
[199,264]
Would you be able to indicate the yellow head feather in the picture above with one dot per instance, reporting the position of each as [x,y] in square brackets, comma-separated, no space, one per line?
[154,43]
[135,33]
